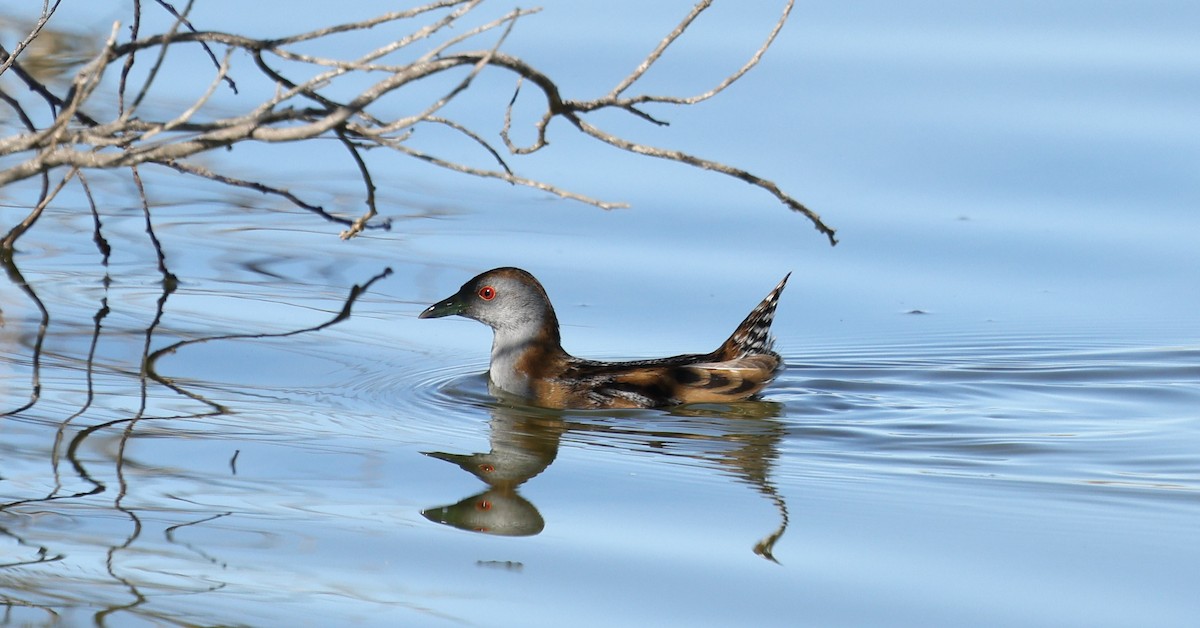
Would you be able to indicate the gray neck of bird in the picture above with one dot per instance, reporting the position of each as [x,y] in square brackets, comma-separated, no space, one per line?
[514,338]
[508,369]
[523,327]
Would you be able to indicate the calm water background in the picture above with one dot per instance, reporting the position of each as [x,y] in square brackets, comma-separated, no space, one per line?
[991,414]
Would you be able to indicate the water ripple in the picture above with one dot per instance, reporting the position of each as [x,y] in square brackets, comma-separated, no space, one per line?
[1022,409]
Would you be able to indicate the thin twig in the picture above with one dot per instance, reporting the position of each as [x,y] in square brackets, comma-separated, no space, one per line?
[186,116]
[373,22]
[47,195]
[504,176]
[193,169]
[707,164]
[754,60]
[134,28]
[358,225]
[47,12]
[658,51]
[181,18]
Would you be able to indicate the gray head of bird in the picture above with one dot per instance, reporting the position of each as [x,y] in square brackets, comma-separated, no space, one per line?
[505,299]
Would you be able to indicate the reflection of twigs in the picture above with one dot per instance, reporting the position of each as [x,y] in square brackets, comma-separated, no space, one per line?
[135,530]
[73,455]
[15,276]
[355,292]
[169,279]
[150,372]
[168,288]
[91,393]
[97,234]
[43,554]
[152,359]
[169,533]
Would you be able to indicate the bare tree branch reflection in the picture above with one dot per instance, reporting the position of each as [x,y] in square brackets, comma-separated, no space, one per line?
[169,533]
[135,589]
[17,279]
[355,292]
[97,226]
[151,373]
[42,554]
[89,397]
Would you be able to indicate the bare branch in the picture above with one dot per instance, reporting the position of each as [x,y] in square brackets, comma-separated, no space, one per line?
[504,176]
[658,51]
[474,137]
[358,225]
[181,20]
[311,101]
[16,106]
[184,117]
[47,195]
[199,171]
[134,29]
[668,40]
[706,164]
[382,19]
[82,87]
[47,11]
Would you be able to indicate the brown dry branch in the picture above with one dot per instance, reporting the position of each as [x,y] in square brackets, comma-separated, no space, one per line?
[310,102]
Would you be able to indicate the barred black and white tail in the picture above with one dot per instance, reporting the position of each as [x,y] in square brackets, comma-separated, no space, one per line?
[753,336]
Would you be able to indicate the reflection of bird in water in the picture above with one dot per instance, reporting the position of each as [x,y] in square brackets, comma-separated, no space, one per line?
[528,359]
[755,437]
[742,440]
[521,447]
[495,511]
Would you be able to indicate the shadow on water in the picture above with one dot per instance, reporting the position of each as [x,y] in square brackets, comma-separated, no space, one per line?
[741,440]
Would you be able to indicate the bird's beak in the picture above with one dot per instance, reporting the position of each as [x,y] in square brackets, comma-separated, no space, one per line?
[450,306]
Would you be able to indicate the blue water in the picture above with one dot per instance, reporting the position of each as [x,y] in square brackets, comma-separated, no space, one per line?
[989,415]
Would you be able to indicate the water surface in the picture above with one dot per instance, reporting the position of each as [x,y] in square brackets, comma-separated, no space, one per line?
[989,415]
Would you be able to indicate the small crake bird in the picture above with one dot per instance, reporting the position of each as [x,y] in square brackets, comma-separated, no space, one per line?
[528,359]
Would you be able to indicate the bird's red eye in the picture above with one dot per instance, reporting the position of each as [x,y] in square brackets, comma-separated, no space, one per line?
[487,293]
